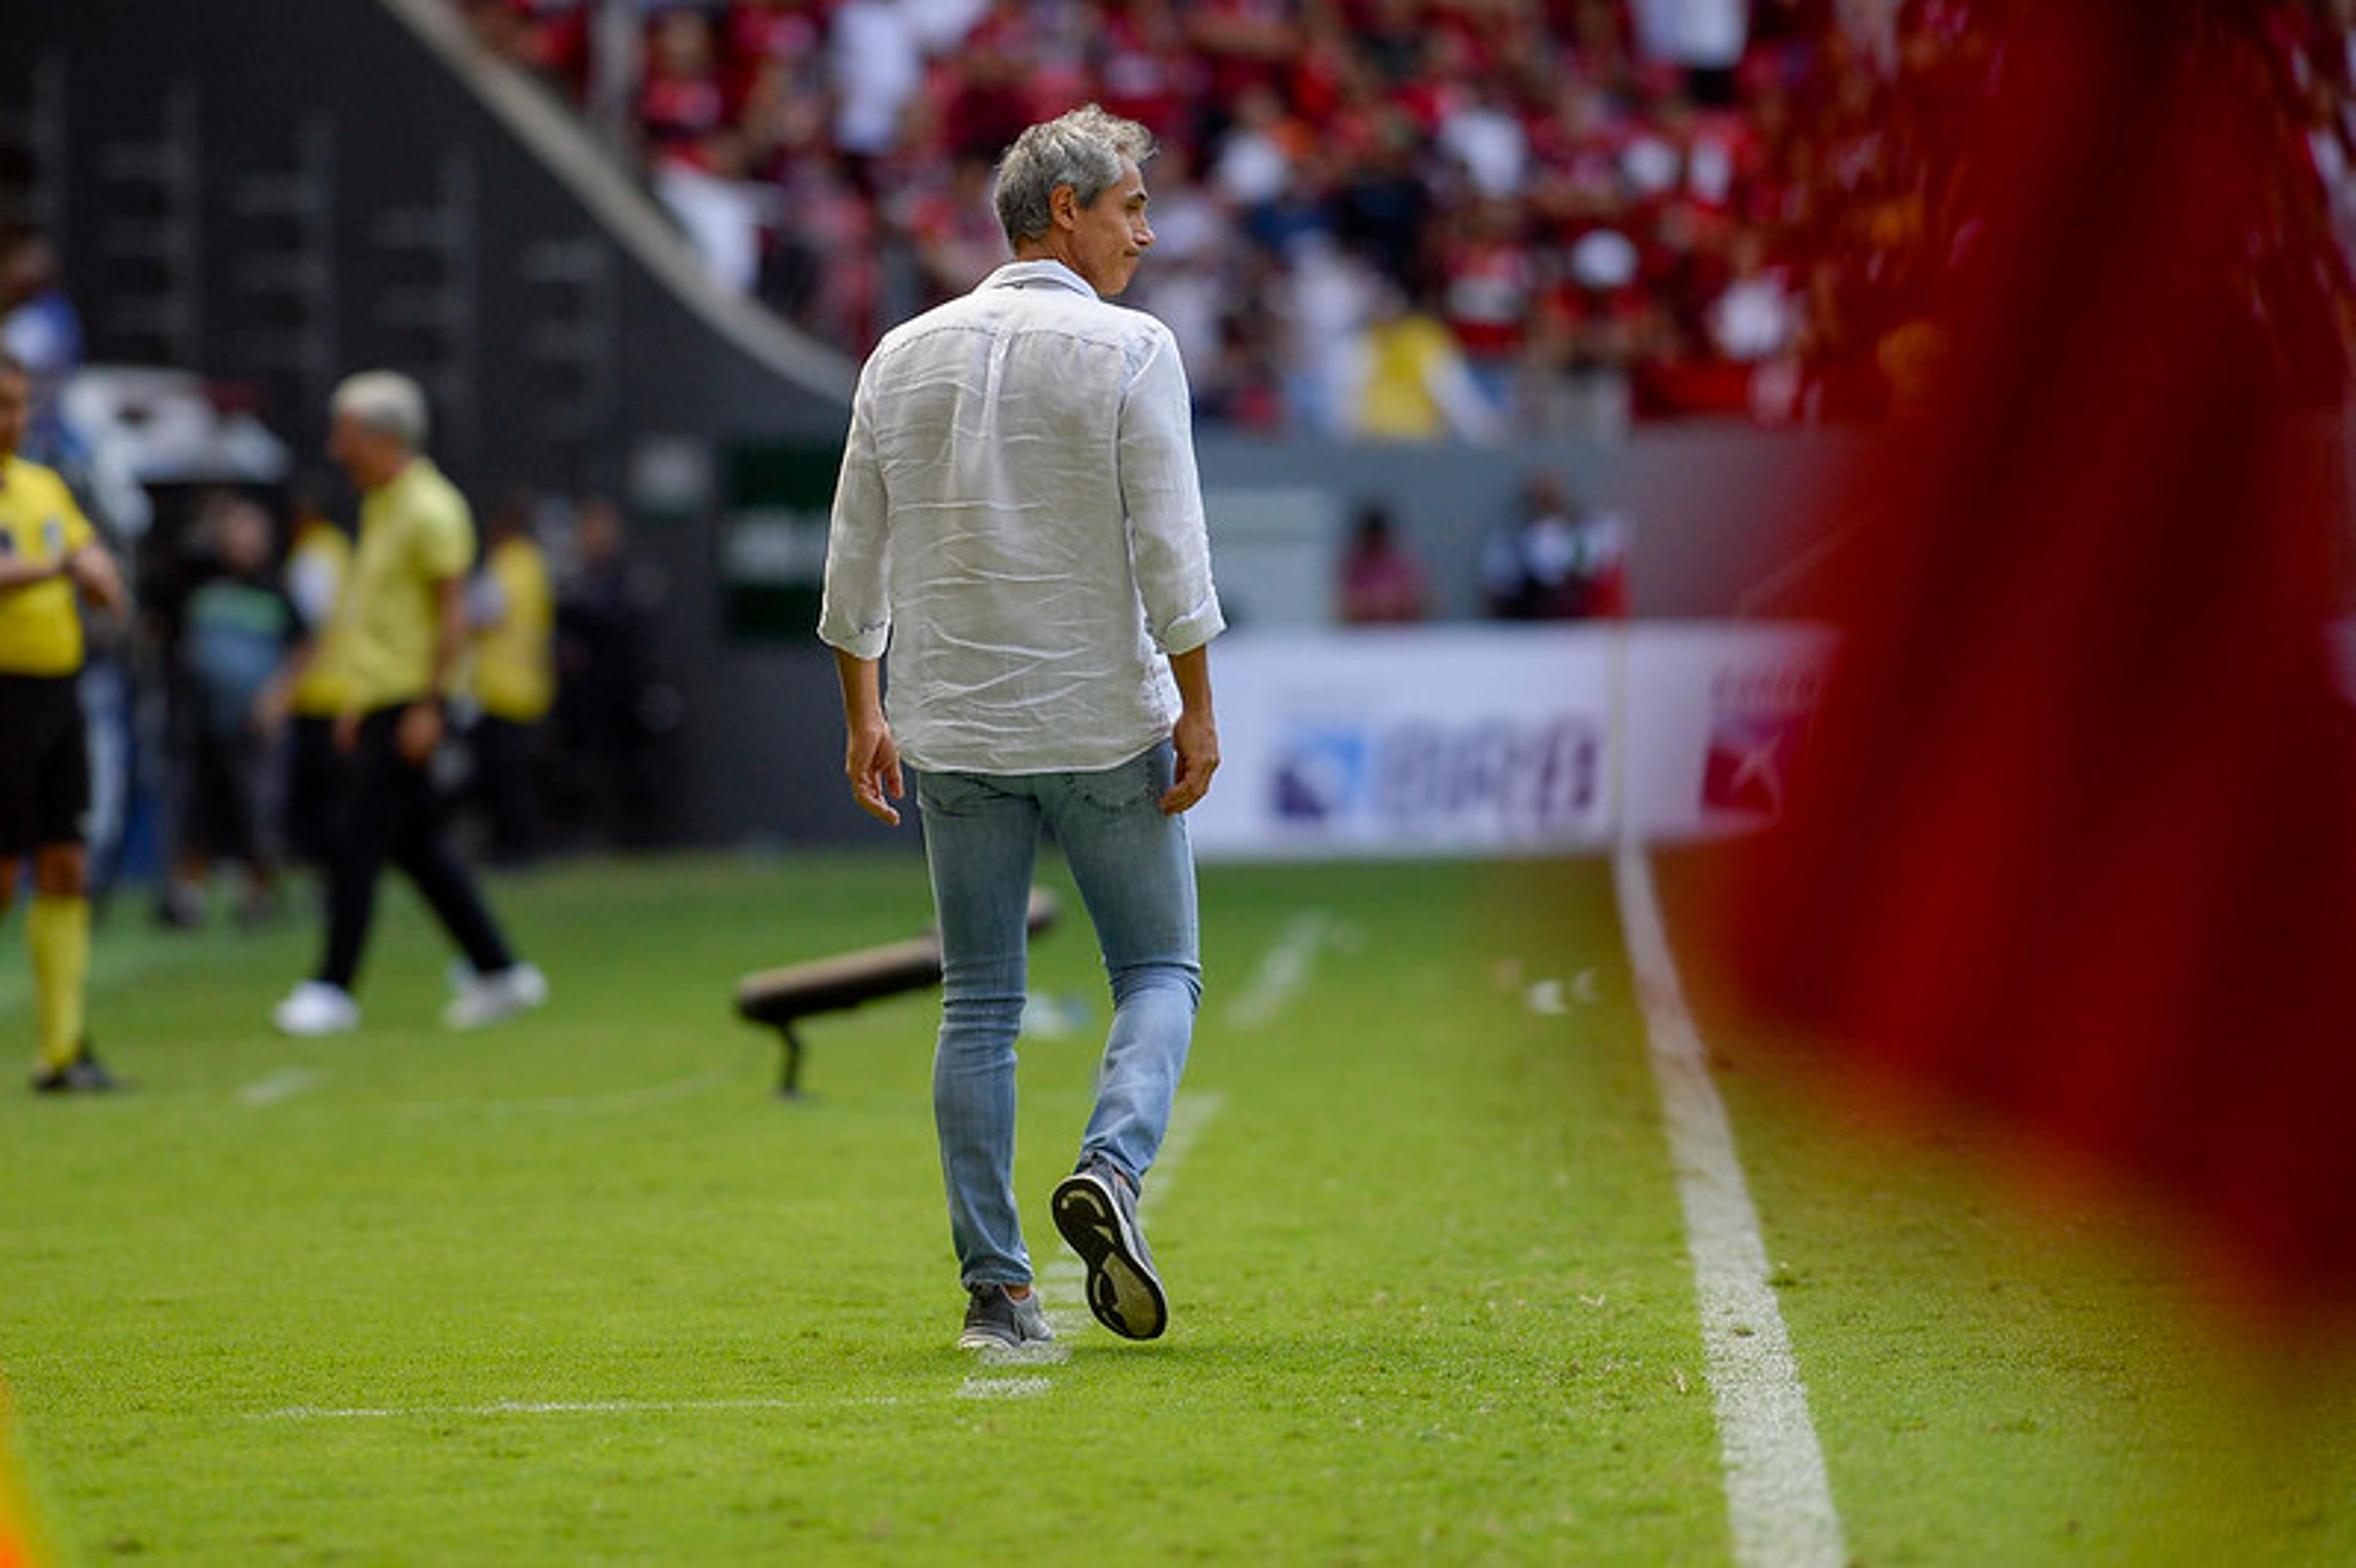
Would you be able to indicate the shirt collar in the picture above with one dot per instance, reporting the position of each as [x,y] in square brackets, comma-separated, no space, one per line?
[1024,275]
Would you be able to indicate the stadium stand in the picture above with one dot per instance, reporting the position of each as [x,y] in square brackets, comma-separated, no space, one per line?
[1603,230]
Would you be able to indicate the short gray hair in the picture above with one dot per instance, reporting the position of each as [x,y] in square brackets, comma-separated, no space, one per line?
[1083,149]
[386,402]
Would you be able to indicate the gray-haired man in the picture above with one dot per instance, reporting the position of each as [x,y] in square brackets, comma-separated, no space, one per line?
[1019,519]
[398,628]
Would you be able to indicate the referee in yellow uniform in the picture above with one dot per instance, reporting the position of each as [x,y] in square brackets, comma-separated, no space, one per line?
[48,551]
[512,676]
[398,627]
[318,563]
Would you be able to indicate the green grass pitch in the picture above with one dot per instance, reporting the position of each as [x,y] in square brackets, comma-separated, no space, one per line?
[581,1290]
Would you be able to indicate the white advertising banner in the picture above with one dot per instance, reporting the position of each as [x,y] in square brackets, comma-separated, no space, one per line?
[1715,718]
[1423,741]
[1481,740]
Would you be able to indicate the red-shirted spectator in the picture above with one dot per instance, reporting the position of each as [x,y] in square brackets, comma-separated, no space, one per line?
[682,101]
[781,40]
[1489,283]
[1142,69]
[1381,583]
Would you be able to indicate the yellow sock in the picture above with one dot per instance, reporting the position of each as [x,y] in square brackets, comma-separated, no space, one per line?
[58,932]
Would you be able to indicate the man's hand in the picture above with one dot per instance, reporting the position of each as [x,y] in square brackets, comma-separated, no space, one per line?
[872,758]
[93,571]
[1195,737]
[419,733]
[873,761]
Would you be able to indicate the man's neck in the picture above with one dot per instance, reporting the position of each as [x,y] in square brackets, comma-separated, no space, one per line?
[1043,250]
[390,476]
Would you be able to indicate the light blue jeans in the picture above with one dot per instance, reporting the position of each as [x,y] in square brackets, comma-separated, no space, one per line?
[1136,872]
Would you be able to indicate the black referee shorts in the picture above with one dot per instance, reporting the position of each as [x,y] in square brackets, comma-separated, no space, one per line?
[44,763]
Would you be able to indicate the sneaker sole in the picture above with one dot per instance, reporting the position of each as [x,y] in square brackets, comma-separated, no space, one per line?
[1123,1291]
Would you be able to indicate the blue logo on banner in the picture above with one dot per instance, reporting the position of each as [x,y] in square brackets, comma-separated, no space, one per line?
[1321,773]
[1530,779]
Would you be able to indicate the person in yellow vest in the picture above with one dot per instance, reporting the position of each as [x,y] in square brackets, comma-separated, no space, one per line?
[512,676]
[398,628]
[319,559]
[1413,382]
[49,554]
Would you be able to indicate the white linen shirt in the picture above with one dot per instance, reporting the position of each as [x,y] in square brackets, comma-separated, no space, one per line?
[1019,521]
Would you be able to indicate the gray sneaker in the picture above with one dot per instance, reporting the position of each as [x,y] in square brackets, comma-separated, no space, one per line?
[997,1321]
[1096,1210]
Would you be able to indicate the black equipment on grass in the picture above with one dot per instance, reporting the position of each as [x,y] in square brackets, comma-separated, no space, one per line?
[783,997]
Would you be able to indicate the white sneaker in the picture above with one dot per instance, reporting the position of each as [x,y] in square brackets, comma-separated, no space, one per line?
[315,1008]
[488,998]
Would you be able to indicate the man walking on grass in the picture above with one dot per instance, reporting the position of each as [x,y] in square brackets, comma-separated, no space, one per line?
[1019,521]
[398,627]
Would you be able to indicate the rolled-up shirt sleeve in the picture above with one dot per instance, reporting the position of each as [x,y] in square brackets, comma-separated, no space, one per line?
[856,613]
[1169,541]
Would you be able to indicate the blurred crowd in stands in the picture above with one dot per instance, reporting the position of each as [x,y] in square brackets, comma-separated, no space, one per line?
[1388,217]
[197,705]
[548,748]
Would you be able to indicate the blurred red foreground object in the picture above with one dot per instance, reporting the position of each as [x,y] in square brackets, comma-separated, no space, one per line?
[2074,839]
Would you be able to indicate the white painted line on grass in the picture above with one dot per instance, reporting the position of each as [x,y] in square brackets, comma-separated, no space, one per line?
[1004,1387]
[1188,1117]
[1283,969]
[280,1086]
[1779,1500]
[611,1103]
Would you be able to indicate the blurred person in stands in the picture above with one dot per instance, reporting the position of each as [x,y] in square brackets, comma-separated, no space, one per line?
[604,610]
[49,555]
[1381,581]
[1412,380]
[1558,561]
[1044,587]
[698,156]
[511,614]
[402,621]
[238,632]
[319,559]
[41,331]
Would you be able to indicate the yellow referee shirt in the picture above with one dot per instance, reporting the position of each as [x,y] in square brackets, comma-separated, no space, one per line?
[41,625]
[515,657]
[317,570]
[415,533]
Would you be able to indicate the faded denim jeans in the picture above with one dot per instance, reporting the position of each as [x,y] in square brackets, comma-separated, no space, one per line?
[1136,872]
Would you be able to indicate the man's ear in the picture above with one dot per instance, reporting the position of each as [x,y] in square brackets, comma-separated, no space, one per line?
[1064,207]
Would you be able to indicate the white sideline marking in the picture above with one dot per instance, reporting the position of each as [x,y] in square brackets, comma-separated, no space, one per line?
[611,1102]
[1187,1119]
[1779,1500]
[552,1407]
[1284,970]
[1004,1387]
[284,1084]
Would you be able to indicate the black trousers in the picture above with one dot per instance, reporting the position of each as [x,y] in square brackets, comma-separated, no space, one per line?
[503,783]
[389,812]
